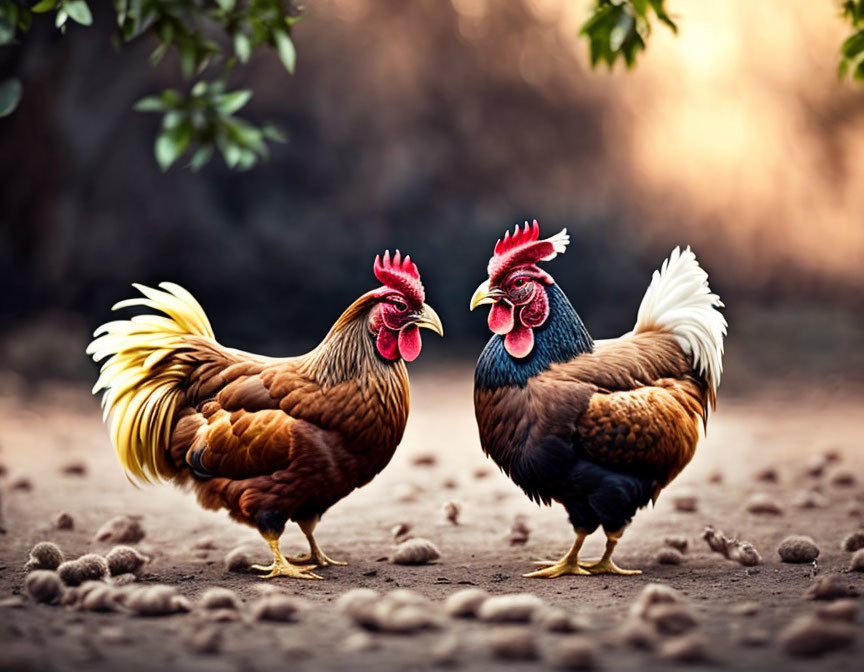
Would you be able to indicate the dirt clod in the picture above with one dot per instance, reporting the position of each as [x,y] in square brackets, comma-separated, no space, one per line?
[692,648]
[763,504]
[572,653]
[680,544]
[121,530]
[44,586]
[206,640]
[156,600]
[238,560]
[830,587]
[400,530]
[275,607]
[653,594]
[63,521]
[124,560]
[555,619]
[686,502]
[857,562]
[74,468]
[519,531]
[464,603]
[811,636]
[44,555]
[512,643]
[746,608]
[671,619]
[854,541]
[767,475]
[514,608]
[839,610]
[451,512]
[843,478]
[90,567]
[219,598]
[416,551]
[798,548]
[669,556]
[741,552]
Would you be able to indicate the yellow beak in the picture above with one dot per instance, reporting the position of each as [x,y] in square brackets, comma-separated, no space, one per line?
[484,295]
[428,319]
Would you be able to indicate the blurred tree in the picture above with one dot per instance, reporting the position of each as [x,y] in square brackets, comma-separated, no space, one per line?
[852,51]
[204,33]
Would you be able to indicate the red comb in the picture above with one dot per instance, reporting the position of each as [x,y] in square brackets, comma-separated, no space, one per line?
[400,274]
[524,247]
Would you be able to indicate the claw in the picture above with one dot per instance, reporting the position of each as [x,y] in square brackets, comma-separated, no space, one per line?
[317,559]
[607,566]
[553,570]
[287,569]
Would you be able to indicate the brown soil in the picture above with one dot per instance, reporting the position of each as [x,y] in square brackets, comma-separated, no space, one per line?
[38,439]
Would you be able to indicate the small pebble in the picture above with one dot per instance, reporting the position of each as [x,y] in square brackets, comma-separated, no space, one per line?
[451,512]
[555,619]
[22,484]
[416,551]
[94,596]
[638,634]
[44,555]
[809,636]
[812,499]
[839,610]
[798,549]
[815,466]
[424,460]
[238,560]
[853,541]
[680,544]
[692,648]
[520,531]
[745,608]
[653,594]
[686,502]
[715,477]
[276,607]
[359,604]
[124,560]
[445,652]
[358,642]
[747,555]
[669,556]
[514,608]
[121,530]
[830,587]
[512,643]
[204,544]
[205,640]
[465,603]
[219,598]
[753,637]
[450,484]
[156,600]
[843,478]
[64,521]
[90,567]
[74,468]
[572,653]
[400,530]
[857,562]
[671,619]
[767,475]
[480,474]
[44,586]
[763,504]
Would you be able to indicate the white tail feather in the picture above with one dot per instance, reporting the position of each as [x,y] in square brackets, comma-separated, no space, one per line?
[679,301]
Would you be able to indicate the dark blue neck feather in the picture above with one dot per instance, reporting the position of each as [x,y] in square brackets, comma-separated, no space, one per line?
[559,339]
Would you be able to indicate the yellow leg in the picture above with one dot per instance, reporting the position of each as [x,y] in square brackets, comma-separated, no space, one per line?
[281,565]
[605,565]
[315,555]
[569,564]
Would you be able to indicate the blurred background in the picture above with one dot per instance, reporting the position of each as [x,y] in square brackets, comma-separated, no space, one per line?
[431,126]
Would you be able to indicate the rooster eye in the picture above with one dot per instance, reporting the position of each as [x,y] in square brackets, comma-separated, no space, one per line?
[400,305]
[519,282]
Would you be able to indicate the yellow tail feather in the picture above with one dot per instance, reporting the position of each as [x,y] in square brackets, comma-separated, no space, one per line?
[143,375]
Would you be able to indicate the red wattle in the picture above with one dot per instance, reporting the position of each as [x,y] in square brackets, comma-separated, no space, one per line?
[520,342]
[387,343]
[501,318]
[409,343]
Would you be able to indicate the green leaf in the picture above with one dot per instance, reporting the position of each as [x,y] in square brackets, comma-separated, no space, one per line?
[227,5]
[150,104]
[201,157]
[229,103]
[287,53]
[158,53]
[242,47]
[187,58]
[853,45]
[60,20]
[10,96]
[25,20]
[44,6]
[273,134]
[171,97]
[171,144]
[7,32]
[78,11]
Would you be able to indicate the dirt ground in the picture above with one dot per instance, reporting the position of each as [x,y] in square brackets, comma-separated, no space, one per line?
[38,438]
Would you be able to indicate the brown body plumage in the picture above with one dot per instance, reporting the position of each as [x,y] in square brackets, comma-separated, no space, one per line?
[269,440]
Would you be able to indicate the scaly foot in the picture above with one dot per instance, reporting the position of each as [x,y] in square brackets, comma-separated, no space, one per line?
[554,569]
[286,568]
[317,559]
[607,566]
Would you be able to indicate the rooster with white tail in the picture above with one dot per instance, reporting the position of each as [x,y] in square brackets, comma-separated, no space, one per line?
[601,427]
